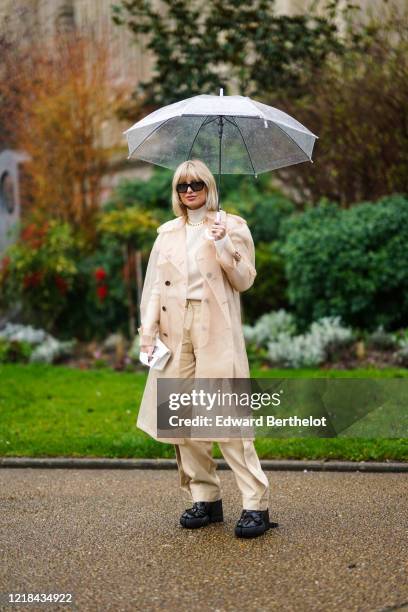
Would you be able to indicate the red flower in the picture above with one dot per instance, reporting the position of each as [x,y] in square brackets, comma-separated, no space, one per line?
[34,234]
[4,267]
[32,280]
[5,262]
[102,292]
[62,284]
[28,232]
[100,274]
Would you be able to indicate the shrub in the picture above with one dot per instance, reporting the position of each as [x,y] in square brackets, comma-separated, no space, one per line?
[153,194]
[382,340]
[97,303]
[270,287]
[312,348]
[296,352]
[25,343]
[262,205]
[350,263]
[331,334]
[38,271]
[401,355]
[269,326]
[14,351]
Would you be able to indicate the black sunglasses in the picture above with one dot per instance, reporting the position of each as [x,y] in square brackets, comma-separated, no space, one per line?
[195,186]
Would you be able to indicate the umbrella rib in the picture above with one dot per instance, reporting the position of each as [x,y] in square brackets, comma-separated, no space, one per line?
[195,137]
[263,116]
[278,126]
[150,134]
[286,134]
[294,141]
[243,140]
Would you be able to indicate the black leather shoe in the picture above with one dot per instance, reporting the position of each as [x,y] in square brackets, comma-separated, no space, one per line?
[202,514]
[253,523]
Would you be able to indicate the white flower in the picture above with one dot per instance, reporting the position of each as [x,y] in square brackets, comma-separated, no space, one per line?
[311,348]
[50,350]
[23,333]
[269,326]
[47,348]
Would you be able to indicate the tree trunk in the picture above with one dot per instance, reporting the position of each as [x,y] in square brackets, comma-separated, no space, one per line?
[127,256]
[139,282]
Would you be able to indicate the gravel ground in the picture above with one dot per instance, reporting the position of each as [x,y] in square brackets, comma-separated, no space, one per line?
[112,538]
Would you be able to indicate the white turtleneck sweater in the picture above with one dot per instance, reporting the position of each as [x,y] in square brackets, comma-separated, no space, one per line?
[194,238]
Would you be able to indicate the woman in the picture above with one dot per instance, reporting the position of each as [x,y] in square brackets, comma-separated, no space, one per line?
[191,300]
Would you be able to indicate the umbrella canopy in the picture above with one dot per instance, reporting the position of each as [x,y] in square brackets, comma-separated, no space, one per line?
[231,134]
[256,138]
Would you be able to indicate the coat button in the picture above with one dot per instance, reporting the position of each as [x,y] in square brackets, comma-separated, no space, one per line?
[163,308]
[167,283]
[209,274]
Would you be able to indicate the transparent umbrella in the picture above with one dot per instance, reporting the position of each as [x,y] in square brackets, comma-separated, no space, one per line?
[231,134]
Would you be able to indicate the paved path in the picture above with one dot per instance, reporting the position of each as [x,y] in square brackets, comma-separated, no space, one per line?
[111,537]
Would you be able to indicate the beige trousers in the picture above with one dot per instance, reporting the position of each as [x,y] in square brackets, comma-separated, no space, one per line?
[197,468]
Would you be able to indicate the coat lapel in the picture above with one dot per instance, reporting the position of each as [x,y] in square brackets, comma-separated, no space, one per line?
[175,254]
[175,250]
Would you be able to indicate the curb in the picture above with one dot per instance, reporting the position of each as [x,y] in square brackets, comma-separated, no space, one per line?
[171,464]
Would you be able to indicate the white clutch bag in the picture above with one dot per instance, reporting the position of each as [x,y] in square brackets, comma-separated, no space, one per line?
[161,355]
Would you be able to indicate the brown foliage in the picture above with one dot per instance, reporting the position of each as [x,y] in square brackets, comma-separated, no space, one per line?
[358,106]
[58,97]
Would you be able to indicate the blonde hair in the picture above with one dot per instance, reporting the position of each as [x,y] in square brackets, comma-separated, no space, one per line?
[196,170]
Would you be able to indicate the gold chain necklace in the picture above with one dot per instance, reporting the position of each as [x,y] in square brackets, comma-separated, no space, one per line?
[195,224]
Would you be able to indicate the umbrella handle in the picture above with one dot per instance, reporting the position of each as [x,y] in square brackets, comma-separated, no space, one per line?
[207,233]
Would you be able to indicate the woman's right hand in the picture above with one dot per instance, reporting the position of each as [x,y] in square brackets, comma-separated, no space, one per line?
[147,348]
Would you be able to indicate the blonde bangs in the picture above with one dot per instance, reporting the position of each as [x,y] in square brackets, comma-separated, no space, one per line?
[189,171]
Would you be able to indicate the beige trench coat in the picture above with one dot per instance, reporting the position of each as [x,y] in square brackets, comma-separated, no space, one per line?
[222,351]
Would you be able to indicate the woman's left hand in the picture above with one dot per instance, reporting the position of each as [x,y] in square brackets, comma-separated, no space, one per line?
[218,230]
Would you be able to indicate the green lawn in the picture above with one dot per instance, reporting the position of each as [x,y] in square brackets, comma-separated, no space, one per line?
[59,411]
